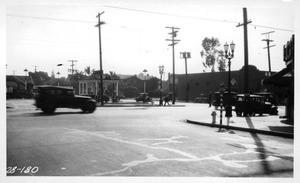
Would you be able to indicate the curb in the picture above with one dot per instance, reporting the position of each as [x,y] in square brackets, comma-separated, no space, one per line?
[137,105]
[251,130]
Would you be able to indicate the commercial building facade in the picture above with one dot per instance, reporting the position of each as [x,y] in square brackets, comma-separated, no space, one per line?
[204,83]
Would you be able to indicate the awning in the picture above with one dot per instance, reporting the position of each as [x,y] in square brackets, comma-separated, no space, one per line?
[281,78]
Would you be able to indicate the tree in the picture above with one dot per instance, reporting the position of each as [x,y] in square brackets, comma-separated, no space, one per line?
[74,80]
[40,77]
[212,55]
[52,74]
[88,70]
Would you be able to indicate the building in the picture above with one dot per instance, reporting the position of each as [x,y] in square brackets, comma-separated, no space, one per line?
[204,83]
[284,79]
[19,86]
[90,86]
[134,85]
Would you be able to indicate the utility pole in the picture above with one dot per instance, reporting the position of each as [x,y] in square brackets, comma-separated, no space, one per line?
[268,47]
[246,72]
[186,55]
[174,41]
[72,70]
[100,51]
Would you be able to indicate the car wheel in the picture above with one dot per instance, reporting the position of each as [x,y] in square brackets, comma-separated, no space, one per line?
[49,108]
[90,107]
[238,113]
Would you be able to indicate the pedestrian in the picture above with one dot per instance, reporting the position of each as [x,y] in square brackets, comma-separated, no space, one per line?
[166,99]
[209,99]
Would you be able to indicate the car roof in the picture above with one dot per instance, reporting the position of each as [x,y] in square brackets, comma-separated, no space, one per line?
[227,92]
[265,93]
[242,95]
[53,87]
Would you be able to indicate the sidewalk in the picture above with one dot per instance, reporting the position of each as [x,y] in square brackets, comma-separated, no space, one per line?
[266,124]
[133,103]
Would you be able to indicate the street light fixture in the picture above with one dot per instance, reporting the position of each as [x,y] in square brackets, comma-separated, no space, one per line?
[145,72]
[229,54]
[25,70]
[161,71]
[25,85]
[58,73]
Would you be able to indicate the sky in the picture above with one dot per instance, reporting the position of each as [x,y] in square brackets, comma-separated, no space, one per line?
[41,34]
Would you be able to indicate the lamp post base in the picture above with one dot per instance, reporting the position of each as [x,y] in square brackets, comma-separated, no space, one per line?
[228,110]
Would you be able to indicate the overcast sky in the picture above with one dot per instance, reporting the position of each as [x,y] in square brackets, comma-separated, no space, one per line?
[41,34]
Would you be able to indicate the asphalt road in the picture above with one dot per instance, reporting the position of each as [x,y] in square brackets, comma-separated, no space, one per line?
[137,141]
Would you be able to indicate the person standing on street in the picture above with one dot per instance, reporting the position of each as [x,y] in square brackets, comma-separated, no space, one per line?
[209,99]
[166,99]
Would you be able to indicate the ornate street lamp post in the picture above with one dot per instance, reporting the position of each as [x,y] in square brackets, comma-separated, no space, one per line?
[25,70]
[58,73]
[229,54]
[145,72]
[161,71]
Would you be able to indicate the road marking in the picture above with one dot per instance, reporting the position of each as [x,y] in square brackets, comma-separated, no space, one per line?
[187,156]
[99,134]
[167,140]
[150,158]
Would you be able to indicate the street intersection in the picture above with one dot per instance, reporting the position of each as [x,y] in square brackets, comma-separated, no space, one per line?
[138,141]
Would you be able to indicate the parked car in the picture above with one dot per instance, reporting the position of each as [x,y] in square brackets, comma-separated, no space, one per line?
[201,99]
[143,97]
[271,97]
[49,98]
[250,105]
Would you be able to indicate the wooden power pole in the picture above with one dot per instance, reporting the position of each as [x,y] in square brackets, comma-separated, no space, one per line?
[246,62]
[173,43]
[268,47]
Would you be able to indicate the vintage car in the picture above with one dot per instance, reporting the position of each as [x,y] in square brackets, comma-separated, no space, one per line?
[48,98]
[201,99]
[144,97]
[250,105]
[270,97]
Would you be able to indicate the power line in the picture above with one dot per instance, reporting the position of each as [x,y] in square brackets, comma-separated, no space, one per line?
[199,18]
[47,18]
[151,12]
[173,15]
[288,30]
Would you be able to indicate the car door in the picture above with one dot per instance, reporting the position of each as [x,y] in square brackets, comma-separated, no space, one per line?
[66,98]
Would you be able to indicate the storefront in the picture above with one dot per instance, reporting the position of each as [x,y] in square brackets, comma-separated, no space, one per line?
[284,79]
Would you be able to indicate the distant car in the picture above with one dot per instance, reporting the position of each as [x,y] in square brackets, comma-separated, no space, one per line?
[250,105]
[201,99]
[49,98]
[105,98]
[144,97]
